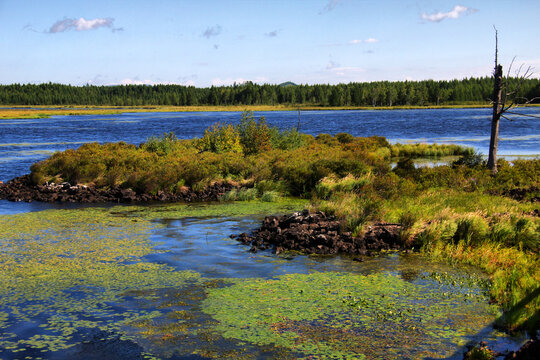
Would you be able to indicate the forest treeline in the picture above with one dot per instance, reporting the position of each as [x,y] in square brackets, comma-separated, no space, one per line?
[382,93]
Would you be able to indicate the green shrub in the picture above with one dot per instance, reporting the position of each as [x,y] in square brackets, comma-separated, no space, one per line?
[271,186]
[344,138]
[502,233]
[472,160]
[270,196]
[246,194]
[390,186]
[326,139]
[407,219]
[429,150]
[286,140]
[231,195]
[254,134]
[332,184]
[161,145]
[439,231]
[220,138]
[527,235]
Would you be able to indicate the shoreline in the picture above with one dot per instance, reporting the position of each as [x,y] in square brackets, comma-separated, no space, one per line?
[21,189]
[45,111]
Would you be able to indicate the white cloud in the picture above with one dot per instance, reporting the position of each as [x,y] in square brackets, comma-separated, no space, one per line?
[188,83]
[230,81]
[344,71]
[366,41]
[136,81]
[212,31]
[81,24]
[455,13]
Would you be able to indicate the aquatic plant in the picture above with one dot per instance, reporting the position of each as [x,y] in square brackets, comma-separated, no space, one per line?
[337,315]
[64,271]
[72,272]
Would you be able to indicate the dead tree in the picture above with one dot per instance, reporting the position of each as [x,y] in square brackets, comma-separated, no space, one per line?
[497,111]
[505,97]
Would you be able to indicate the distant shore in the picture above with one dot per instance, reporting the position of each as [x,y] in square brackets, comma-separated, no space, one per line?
[45,111]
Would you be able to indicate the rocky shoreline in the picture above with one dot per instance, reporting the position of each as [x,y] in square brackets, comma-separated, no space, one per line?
[22,189]
[317,233]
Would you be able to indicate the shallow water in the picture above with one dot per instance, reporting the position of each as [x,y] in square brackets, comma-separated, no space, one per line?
[79,282]
[25,141]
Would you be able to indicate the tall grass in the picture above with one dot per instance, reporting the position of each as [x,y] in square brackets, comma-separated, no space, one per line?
[429,150]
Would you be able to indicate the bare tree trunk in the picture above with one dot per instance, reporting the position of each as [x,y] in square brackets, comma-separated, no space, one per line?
[497,111]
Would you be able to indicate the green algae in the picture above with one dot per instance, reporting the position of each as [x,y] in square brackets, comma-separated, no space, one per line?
[329,315]
[233,208]
[65,272]
[62,271]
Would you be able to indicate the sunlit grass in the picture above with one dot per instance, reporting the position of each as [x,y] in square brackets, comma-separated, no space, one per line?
[432,203]
[496,234]
[30,113]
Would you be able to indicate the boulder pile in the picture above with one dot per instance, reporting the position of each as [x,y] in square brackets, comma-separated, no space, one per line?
[317,233]
[22,189]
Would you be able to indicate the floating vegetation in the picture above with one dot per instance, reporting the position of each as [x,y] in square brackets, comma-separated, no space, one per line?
[93,279]
[63,271]
[239,208]
[329,315]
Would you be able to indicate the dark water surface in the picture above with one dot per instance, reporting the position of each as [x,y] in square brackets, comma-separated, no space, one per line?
[25,141]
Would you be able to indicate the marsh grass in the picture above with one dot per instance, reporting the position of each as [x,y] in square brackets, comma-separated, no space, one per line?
[429,150]
[497,234]
[270,196]
[30,113]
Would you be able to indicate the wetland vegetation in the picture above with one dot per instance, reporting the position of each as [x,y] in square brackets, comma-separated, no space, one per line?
[459,213]
[103,281]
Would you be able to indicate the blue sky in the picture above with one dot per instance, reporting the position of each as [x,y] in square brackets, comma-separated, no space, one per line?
[218,42]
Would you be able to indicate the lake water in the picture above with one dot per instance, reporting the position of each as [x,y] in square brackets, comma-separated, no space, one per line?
[25,141]
[94,282]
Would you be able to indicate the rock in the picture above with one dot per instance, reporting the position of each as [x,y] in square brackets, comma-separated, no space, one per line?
[22,189]
[316,233]
[65,185]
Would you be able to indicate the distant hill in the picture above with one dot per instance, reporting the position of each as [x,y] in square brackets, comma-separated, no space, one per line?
[288,83]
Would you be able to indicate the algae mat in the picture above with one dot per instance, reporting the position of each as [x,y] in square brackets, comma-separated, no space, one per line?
[347,316]
[85,283]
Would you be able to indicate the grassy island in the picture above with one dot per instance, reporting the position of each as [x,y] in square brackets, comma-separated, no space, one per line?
[459,212]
